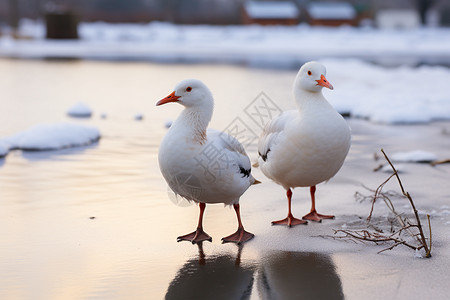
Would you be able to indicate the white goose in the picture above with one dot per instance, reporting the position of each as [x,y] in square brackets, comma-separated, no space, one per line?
[304,147]
[200,165]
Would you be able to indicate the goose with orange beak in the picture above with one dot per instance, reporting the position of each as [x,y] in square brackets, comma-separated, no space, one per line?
[305,146]
[203,165]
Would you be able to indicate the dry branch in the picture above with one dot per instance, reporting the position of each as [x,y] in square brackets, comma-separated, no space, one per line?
[404,226]
[440,162]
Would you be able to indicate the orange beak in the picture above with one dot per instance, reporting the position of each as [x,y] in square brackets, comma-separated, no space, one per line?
[170,98]
[324,82]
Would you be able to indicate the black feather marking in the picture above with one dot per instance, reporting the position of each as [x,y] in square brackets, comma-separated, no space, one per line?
[264,156]
[244,171]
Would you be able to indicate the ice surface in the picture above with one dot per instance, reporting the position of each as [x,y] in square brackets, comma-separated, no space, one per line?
[80,110]
[52,137]
[414,156]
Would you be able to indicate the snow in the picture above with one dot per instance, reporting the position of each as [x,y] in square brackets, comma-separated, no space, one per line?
[168,123]
[331,11]
[419,253]
[80,110]
[414,156]
[388,169]
[271,10]
[52,137]
[254,45]
[402,95]
[3,150]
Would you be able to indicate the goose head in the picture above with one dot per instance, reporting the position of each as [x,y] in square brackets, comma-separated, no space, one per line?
[311,78]
[189,93]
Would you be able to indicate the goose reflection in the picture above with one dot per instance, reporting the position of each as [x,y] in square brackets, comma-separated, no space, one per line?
[298,275]
[216,277]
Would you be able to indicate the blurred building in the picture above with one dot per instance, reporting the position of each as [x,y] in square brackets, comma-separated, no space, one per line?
[270,13]
[124,11]
[331,14]
[228,11]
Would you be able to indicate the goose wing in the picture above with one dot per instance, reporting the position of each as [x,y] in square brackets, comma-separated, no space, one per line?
[231,149]
[272,132]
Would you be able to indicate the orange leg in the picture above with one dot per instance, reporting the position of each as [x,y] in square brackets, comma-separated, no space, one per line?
[198,235]
[240,236]
[289,220]
[313,215]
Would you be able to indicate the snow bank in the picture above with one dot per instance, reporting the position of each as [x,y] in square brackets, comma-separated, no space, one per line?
[80,110]
[52,137]
[389,95]
[266,45]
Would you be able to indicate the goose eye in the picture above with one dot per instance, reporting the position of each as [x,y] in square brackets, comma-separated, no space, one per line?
[309,73]
[188,89]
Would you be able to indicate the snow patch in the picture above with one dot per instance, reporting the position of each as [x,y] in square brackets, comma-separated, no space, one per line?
[52,137]
[3,150]
[403,95]
[80,110]
[388,169]
[168,124]
[418,156]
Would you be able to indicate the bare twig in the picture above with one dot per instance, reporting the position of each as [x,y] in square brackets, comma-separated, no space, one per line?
[377,194]
[439,162]
[429,228]
[416,213]
[400,225]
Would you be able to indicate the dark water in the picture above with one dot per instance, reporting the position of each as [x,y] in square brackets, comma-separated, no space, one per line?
[278,275]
